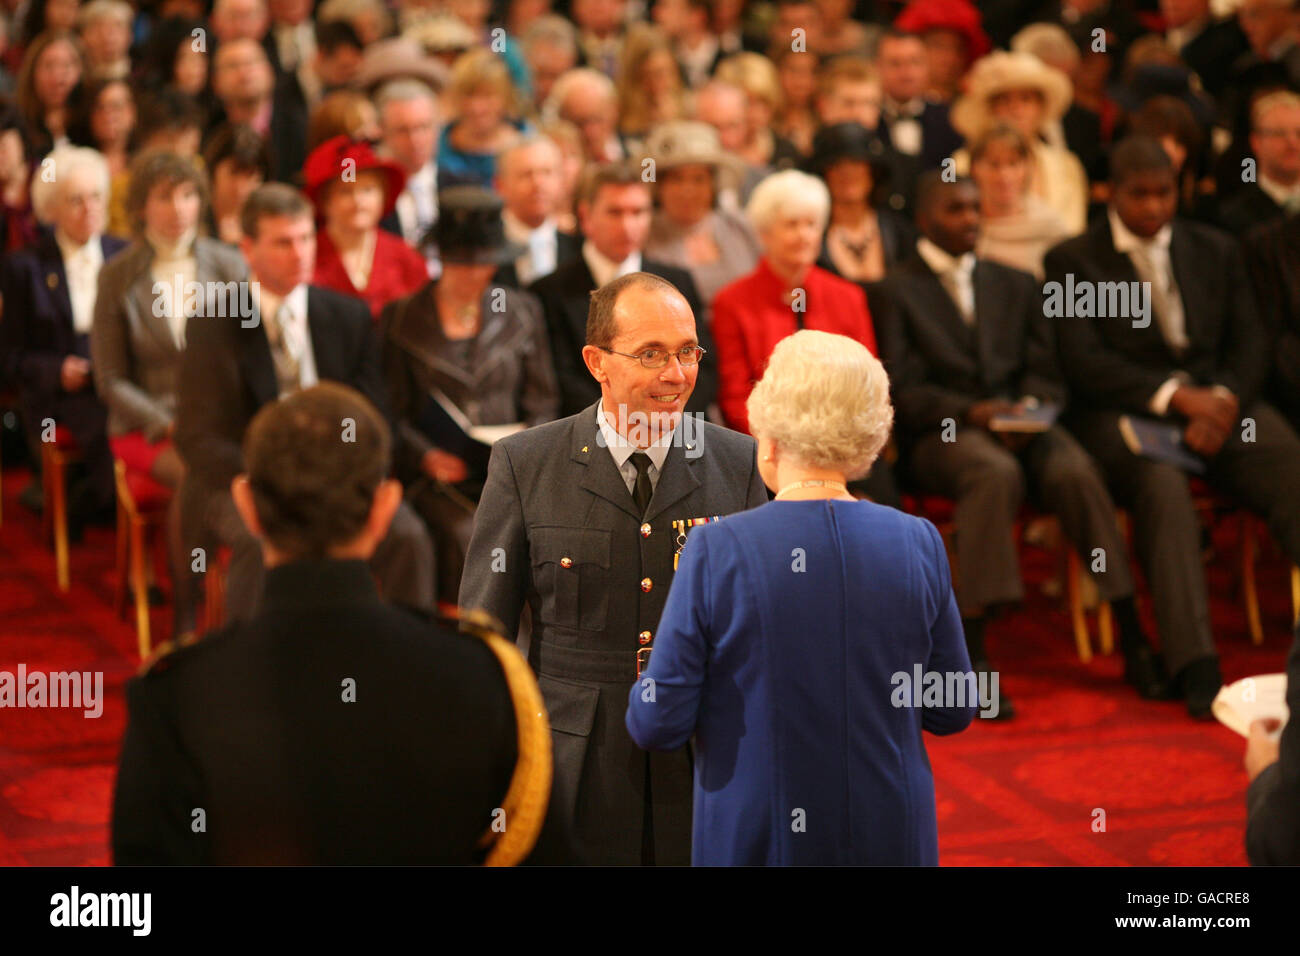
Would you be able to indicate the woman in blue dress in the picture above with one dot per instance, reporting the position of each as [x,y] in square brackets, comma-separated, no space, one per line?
[805,643]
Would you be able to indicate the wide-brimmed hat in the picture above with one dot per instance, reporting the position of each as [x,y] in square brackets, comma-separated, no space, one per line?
[960,16]
[398,59]
[688,143]
[469,229]
[340,159]
[1000,72]
[442,33]
[849,141]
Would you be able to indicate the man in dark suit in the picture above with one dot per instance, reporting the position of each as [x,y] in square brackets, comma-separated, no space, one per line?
[965,342]
[332,728]
[1273,798]
[911,124]
[580,520]
[1207,45]
[295,336]
[1273,255]
[1193,354]
[49,295]
[1273,192]
[528,182]
[249,92]
[614,210]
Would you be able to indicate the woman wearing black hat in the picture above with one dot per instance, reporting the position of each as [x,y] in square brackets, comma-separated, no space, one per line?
[465,362]
[863,237]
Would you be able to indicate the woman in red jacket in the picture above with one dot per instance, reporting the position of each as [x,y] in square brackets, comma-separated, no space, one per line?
[786,293]
[352,190]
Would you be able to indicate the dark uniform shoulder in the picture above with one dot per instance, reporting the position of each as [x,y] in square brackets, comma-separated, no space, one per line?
[175,653]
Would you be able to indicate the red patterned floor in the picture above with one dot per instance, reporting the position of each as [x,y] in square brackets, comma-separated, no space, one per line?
[1024,792]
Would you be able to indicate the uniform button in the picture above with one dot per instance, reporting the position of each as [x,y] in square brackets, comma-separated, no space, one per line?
[645,531]
[566,562]
[645,637]
[646,585]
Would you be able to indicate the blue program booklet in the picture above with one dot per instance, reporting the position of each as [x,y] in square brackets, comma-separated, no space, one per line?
[1029,421]
[1159,441]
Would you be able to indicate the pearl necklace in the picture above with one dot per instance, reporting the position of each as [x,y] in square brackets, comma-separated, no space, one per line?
[814,483]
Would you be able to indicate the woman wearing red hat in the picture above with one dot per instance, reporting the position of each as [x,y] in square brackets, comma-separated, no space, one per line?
[353,189]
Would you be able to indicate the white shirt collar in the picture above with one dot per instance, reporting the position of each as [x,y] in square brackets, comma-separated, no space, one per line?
[1126,241]
[605,270]
[518,231]
[1276,191]
[91,252]
[943,263]
[269,302]
[622,449]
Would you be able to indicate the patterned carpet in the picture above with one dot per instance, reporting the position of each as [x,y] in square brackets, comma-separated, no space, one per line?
[1023,792]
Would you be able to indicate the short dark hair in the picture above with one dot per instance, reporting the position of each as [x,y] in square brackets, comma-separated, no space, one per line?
[1138,154]
[602,327]
[333,34]
[931,184]
[272,199]
[241,145]
[167,110]
[313,462]
[158,166]
[595,178]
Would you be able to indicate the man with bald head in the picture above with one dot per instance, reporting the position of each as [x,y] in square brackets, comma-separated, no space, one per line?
[528,182]
[248,92]
[587,99]
[581,520]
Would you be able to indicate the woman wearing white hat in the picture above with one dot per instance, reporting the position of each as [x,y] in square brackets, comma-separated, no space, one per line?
[1024,92]
[689,230]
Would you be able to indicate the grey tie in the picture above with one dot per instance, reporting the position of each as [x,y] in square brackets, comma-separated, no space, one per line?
[288,372]
[643,489]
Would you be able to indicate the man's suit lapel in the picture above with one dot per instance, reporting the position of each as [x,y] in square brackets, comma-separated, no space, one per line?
[256,364]
[990,318]
[600,476]
[55,277]
[1189,275]
[326,341]
[142,294]
[577,299]
[1116,266]
[933,300]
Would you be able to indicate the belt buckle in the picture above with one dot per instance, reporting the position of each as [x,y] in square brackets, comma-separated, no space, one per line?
[642,662]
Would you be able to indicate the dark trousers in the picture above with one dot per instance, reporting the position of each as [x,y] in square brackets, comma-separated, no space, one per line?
[449,513]
[989,481]
[1263,475]
[91,491]
[403,562]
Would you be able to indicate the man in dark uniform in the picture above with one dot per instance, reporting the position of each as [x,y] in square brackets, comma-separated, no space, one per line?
[581,519]
[331,728]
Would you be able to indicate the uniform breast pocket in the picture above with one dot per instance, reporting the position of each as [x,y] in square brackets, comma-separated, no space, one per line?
[571,572]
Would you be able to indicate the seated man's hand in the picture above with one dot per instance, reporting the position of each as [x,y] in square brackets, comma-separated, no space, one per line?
[1218,405]
[443,466]
[74,373]
[1262,749]
[981,413]
[1204,436]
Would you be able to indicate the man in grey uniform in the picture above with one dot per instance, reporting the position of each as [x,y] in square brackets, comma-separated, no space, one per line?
[582,518]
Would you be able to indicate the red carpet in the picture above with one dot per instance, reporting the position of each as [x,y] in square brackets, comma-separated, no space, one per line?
[1024,792]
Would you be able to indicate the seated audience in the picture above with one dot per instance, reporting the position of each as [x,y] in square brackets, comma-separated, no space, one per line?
[795,120]
[49,294]
[353,189]
[763,668]
[1016,227]
[1273,255]
[18,227]
[650,87]
[966,342]
[1274,190]
[589,100]
[913,125]
[408,126]
[138,335]
[550,48]
[49,84]
[482,348]
[529,182]
[954,39]
[109,123]
[299,334]
[342,113]
[614,208]
[460,716]
[247,91]
[1195,358]
[690,230]
[1022,91]
[755,75]
[104,28]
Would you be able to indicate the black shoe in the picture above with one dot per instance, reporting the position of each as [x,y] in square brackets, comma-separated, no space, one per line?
[1145,670]
[1005,709]
[1198,684]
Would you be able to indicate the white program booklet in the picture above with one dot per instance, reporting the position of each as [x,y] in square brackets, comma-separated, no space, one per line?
[1249,699]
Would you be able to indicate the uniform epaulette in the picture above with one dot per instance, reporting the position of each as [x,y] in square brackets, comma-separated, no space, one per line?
[529,792]
[158,661]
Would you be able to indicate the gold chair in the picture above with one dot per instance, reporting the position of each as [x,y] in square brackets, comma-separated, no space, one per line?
[55,460]
[133,525]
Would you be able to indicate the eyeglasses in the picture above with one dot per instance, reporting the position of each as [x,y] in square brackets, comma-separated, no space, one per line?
[658,358]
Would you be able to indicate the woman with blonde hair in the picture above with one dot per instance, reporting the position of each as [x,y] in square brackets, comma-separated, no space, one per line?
[790,629]
[650,87]
[343,113]
[1016,227]
[484,104]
